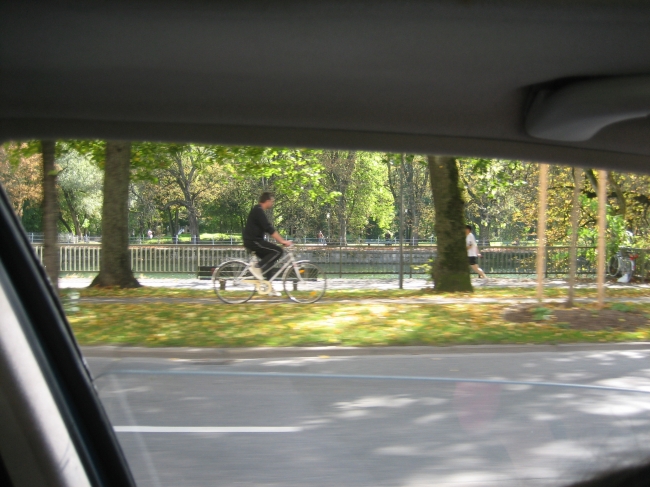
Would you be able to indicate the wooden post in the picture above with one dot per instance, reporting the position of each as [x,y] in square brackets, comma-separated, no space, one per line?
[602,230]
[541,230]
[575,216]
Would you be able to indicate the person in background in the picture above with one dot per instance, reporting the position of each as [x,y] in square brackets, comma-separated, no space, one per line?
[472,252]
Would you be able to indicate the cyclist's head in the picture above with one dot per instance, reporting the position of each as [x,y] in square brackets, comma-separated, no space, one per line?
[266,200]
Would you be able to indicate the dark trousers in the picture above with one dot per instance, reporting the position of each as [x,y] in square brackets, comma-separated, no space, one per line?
[267,253]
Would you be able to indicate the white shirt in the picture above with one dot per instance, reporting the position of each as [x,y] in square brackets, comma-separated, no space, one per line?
[472,248]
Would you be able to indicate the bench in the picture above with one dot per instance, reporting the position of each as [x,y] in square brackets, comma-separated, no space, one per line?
[205,272]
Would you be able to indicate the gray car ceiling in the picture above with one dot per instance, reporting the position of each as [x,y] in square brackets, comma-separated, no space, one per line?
[442,77]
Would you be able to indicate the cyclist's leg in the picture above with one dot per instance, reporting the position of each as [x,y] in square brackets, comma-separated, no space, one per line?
[252,268]
[268,254]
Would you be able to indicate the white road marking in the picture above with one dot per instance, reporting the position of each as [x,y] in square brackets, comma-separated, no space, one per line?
[207,429]
[304,375]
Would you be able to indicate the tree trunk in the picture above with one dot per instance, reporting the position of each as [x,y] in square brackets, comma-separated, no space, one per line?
[172,227]
[73,213]
[50,214]
[65,224]
[620,195]
[193,222]
[592,179]
[343,227]
[451,270]
[115,266]
[483,232]
[416,229]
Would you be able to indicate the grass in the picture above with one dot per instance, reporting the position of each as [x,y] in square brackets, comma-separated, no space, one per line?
[335,323]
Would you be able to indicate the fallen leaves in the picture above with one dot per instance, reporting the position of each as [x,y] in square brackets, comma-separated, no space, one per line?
[207,324]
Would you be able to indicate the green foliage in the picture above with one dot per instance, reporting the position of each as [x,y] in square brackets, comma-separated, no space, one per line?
[358,182]
[617,231]
[291,172]
[541,313]
[367,194]
[494,188]
[358,190]
[80,185]
[623,307]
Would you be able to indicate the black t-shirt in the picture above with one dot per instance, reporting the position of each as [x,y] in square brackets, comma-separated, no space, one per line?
[257,225]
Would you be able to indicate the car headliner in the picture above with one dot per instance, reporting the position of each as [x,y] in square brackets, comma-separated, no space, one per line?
[437,77]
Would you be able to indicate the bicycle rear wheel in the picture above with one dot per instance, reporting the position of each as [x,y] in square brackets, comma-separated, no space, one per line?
[304,282]
[233,282]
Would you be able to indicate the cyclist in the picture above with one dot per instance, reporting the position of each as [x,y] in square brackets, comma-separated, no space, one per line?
[256,227]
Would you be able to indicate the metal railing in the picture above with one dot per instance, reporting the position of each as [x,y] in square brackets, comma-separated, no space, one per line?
[176,259]
[236,240]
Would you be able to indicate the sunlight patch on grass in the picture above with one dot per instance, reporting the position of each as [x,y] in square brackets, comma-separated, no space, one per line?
[353,324]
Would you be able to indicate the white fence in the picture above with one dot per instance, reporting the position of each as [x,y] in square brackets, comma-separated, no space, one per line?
[186,259]
[173,259]
[368,260]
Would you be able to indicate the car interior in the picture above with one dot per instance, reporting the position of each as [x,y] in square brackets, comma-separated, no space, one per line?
[565,82]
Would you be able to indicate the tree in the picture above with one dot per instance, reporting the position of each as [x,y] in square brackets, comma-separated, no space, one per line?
[297,176]
[450,270]
[22,179]
[359,180]
[50,214]
[115,265]
[80,186]
[189,172]
[495,188]
[50,205]
[416,190]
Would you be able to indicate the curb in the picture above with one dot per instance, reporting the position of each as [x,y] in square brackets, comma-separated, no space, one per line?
[427,300]
[108,351]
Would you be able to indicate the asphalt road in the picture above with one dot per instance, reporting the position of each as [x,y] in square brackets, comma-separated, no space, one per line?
[479,419]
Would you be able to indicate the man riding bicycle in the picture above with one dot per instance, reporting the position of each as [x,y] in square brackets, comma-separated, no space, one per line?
[256,227]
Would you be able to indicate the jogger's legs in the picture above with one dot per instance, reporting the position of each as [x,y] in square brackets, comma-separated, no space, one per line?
[478,270]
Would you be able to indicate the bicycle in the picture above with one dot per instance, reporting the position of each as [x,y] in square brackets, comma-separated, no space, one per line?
[622,264]
[302,281]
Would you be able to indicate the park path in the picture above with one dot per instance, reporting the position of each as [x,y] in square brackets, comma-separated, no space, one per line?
[360,284]
[414,301]
[355,284]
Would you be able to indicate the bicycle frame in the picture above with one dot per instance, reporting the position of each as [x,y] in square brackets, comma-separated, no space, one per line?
[287,260]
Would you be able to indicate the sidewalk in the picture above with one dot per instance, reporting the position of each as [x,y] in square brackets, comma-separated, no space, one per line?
[337,283]
[432,299]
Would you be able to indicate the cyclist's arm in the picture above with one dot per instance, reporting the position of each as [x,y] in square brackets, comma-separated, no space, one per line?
[279,239]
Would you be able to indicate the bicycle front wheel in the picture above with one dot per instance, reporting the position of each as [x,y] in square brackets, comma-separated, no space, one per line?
[304,282]
[233,282]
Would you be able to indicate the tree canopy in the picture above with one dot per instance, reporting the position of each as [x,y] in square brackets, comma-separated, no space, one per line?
[348,195]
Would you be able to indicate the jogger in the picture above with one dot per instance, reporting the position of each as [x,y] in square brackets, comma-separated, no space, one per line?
[472,251]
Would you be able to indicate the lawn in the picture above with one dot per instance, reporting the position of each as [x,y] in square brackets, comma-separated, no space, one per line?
[178,322]
[479,292]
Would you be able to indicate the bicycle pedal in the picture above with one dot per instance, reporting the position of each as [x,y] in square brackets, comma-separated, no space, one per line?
[264,287]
